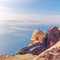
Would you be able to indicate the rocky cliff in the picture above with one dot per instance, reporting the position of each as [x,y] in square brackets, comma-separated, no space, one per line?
[52,36]
[52,53]
[49,39]
[39,43]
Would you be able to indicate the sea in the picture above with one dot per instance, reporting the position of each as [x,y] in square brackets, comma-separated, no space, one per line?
[17,34]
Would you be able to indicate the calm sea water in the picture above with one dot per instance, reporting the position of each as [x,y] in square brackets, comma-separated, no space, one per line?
[17,34]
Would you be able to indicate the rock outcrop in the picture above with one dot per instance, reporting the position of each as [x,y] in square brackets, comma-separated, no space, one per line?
[52,53]
[37,36]
[52,37]
[39,44]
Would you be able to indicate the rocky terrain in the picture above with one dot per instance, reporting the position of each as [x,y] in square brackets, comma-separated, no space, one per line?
[53,53]
[40,48]
[49,39]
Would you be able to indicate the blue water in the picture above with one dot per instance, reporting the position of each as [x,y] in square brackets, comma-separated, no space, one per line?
[17,34]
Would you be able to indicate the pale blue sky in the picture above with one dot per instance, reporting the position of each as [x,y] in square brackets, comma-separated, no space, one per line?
[21,9]
[33,6]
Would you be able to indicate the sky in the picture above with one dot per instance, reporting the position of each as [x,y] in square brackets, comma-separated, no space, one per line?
[19,18]
[41,10]
[28,12]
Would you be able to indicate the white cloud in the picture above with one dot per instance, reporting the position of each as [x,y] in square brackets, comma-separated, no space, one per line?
[33,17]
[6,14]
[4,9]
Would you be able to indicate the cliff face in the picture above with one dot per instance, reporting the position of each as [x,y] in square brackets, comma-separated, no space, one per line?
[52,53]
[39,43]
[36,44]
[52,37]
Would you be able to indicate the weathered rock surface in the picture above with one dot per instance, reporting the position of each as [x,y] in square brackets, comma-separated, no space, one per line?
[52,37]
[52,53]
[37,36]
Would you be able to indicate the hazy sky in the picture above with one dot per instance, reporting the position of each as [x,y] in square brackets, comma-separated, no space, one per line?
[30,10]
